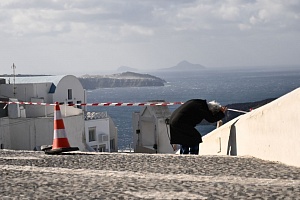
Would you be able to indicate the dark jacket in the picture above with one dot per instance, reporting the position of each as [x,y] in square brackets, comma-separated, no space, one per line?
[184,119]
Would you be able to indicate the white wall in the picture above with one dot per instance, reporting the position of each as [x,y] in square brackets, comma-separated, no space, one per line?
[69,110]
[270,132]
[102,127]
[74,126]
[69,82]
[163,141]
[147,128]
[135,127]
[26,91]
[26,133]
[113,135]
[46,111]
[5,142]
[153,130]
[38,111]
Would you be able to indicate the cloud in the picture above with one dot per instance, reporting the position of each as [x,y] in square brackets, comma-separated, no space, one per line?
[146,28]
[132,30]
[41,17]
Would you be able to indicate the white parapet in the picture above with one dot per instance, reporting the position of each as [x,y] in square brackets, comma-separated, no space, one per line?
[270,132]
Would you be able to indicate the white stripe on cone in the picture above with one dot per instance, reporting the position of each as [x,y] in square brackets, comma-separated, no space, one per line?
[57,115]
[59,133]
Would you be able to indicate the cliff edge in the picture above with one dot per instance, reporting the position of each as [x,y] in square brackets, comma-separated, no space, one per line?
[126,79]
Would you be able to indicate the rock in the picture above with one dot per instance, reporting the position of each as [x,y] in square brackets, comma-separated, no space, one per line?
[126,79]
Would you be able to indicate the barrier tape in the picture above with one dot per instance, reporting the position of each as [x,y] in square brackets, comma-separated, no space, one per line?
[97,104]
[241,111]
[107,104]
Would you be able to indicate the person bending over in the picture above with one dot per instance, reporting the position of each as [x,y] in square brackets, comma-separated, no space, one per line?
[185,118]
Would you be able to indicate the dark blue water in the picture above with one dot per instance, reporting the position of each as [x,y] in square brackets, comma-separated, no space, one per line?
[225,86]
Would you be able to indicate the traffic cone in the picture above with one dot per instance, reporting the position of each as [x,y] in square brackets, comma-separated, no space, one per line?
[60,140]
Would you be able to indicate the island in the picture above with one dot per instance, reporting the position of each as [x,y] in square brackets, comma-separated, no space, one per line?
[185,66]
[125,79]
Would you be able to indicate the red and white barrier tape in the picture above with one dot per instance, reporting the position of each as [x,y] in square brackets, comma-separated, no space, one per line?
[28,103]
[97,104]
[107,104]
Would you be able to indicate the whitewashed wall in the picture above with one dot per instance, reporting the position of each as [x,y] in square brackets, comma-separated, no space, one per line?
[74,126]
[113,135]
[5,142]
[102,127]
[26,133]
[150,122]
[270,132]
[27,91]
[163,141]
[69,82]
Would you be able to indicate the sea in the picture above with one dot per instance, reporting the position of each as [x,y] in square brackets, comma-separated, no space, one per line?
[226,86]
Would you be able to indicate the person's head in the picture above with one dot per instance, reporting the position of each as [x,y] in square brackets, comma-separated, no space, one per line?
[214,106]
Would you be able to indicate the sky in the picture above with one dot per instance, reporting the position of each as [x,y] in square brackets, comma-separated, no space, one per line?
[96,36]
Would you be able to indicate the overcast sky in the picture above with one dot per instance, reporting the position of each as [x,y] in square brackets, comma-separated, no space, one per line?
[93,36]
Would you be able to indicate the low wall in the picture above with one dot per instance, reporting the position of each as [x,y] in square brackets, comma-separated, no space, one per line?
[27,133]
[270,132]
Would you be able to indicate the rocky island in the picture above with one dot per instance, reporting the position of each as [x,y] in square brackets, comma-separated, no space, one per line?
[125,79]
[185,66]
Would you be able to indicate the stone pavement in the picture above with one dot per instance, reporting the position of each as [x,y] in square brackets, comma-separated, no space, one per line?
[35,175]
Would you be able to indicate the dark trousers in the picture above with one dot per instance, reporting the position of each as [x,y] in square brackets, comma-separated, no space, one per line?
[186,149]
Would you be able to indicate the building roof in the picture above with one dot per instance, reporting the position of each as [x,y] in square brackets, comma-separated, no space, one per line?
[34,79]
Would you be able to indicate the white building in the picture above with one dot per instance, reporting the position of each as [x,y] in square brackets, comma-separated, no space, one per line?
[47,89]
[151,133]
[101,136]
[28,126]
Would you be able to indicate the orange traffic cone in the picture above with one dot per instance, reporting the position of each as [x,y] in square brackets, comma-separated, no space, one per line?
[60,140]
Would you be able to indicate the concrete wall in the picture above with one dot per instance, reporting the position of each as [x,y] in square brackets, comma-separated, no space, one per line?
[38,111]
[270,132]
[163,141]
[26,91]
[69,110]
[5,142]
[31,111]
[135,127]
[27,133]
[113,135]
[74,126]
[24,132]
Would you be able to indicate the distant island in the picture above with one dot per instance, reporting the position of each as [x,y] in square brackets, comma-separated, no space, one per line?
[185,66]
[127,69]
[125,79]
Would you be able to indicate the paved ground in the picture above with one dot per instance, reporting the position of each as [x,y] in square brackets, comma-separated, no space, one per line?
[34,175]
